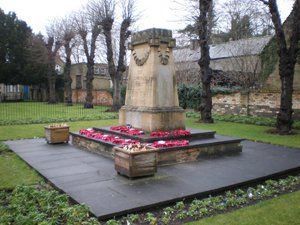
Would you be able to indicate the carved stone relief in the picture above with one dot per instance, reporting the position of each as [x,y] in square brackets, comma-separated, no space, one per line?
[141,60]
[164,56]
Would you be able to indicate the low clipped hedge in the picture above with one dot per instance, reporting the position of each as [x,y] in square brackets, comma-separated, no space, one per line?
[260,121]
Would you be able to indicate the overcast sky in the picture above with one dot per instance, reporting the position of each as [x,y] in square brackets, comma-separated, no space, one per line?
[155,13]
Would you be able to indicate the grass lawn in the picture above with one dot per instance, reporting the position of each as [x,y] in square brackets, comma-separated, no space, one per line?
[284,210]
[13,132]
[248,131]
[14,171]
[36,112]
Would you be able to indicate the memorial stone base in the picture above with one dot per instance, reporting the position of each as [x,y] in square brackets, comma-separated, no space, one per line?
[153,119]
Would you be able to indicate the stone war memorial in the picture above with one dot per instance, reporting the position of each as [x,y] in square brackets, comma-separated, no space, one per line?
[151,97]
[151,130]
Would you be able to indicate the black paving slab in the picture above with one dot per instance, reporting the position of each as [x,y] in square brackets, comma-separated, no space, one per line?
[91,179]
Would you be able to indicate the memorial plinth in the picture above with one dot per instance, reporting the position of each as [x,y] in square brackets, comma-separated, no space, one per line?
[151,102]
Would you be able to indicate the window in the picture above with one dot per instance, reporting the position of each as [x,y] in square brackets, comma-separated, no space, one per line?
[100,71]
[103,71]
[97,71]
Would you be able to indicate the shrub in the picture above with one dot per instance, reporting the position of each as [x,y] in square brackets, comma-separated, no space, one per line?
[4,148]
[190,95]
[41,205]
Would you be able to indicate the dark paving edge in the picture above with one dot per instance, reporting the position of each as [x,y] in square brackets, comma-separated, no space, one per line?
[189,196]
[204,194]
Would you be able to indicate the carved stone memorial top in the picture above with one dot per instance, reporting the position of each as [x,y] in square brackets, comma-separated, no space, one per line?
[151,100]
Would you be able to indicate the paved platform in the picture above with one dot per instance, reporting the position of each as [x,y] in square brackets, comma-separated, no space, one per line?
[91,179]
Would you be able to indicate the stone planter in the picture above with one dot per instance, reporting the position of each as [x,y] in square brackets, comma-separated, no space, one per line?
[136,163]
[55,135]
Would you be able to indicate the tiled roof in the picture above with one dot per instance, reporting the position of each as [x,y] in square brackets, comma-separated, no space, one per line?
[251,46]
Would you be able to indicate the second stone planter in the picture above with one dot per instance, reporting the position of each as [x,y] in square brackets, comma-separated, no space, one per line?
[136,163]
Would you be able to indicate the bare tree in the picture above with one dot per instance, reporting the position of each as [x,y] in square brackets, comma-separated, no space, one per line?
[88,25]
[107,14]
[206,72]
[108,18]
[244,19]
[67,26]
[191,30]
[288,49]
[54,43]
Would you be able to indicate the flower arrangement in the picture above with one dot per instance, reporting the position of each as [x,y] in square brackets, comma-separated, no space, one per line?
[128,130]
[173,133]
[159,134]
[169,144]
[132,131]
[105,137]
[135,147]
[181,133]
[136,144]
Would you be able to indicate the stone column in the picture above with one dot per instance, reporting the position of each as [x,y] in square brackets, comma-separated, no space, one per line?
[151,102]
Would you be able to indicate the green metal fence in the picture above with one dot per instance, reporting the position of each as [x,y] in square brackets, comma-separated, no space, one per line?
[41,112]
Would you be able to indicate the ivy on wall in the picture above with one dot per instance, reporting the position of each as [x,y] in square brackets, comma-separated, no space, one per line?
[269,58]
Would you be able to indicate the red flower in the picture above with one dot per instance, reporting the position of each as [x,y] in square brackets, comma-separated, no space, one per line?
[169,144]
[105,137]
[159,134]
[181,132]
[127,130]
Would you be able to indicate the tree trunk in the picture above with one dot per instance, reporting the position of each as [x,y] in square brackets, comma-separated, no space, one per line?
[248,100]
[111,65]
[51,86]
[67,77]
[206,103]
[117,103]
[284,117]
[68,90]
[89,87]
[206,72]
[51,74]
[288,48]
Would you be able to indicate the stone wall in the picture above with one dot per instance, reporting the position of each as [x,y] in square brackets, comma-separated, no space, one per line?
[101,97]
[257,103]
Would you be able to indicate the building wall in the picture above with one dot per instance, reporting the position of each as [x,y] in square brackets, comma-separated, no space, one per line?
[101,84]
[243,64]
[11,92]
[259,104]
[101,97]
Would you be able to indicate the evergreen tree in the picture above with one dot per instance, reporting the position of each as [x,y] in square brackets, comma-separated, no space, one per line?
[14,34]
